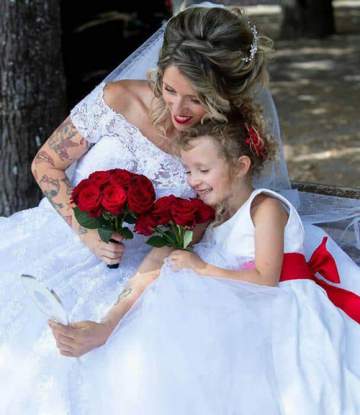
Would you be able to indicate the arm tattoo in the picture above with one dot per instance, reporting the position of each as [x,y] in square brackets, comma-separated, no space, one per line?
[124,293]
[67,184]
[60,140]
[82,230]
[51,190]
[44,157]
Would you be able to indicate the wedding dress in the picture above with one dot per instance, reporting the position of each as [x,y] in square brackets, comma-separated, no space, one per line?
[202,345]
[34,378]
[39,242]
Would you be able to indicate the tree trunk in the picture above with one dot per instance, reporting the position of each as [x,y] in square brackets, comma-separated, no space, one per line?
[32,93]
[307,18]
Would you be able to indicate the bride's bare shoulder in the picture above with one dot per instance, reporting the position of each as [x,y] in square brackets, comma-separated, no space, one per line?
[123,96]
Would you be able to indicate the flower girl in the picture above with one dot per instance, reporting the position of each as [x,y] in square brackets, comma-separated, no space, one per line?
[216,333]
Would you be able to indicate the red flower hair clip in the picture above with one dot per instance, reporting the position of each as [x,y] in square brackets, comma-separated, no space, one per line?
[256,143]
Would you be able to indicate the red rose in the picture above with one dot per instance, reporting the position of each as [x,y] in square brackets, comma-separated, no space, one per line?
[88,198]
[121,177]
[162,209]
[114,198]
[77,189]
[100,178]
[184,212]
[145,224]
[141,194]
[204,212]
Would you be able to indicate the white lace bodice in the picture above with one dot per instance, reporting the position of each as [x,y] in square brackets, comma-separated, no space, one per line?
[233,242]
[120,144]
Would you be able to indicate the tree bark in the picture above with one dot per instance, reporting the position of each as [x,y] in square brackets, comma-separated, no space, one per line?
[307,18]
[32,93]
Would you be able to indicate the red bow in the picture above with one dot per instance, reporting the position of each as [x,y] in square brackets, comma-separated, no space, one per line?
[322,262]
[255,143]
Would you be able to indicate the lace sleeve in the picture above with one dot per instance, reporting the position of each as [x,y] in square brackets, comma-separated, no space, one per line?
[86,115]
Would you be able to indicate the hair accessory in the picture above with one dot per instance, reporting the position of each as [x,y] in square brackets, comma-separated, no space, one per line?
[255,142]
[254,44]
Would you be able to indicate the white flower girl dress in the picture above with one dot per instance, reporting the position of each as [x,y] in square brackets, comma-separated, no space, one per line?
[202,345]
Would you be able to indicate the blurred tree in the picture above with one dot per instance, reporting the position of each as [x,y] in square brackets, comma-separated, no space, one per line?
[307,18]
[32,93]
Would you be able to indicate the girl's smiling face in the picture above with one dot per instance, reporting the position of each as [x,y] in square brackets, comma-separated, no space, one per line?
[208,172]
[181,99]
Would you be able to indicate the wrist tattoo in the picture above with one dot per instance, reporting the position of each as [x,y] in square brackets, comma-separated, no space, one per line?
[124,293]
[82,230]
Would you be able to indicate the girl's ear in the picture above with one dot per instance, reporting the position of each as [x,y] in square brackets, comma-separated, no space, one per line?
[243,166]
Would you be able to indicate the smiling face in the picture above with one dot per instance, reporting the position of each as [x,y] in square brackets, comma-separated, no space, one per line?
[181,99]
[208,173]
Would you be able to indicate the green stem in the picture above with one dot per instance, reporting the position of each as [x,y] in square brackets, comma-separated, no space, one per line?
[163,234]
[175,230]
[180,233]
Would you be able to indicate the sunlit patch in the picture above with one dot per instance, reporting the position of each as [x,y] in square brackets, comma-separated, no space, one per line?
[323,65]
[307,98]
[323,155]
[130,367]
[134,361]
[19,374]
[318,111]
[4,357]
[352,78]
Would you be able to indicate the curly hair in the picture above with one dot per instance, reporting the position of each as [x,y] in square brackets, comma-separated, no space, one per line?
[242,135]
[209,46]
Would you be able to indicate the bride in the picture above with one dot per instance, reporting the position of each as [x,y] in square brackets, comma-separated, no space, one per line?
[211,59]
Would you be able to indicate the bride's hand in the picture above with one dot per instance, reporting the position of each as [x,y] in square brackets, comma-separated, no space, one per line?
[111,253]
[79,338]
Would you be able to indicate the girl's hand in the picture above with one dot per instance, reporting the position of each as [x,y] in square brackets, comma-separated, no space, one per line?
[79,338]
[111,253]
[184,259]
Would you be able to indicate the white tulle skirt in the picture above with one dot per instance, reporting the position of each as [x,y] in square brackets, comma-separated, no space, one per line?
[190,345]
[34,377]
[200,345]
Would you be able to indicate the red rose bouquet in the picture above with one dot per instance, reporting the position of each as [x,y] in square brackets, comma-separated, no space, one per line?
[107,199]
[171,221]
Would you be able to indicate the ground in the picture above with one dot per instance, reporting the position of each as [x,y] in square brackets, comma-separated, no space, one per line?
[316,87]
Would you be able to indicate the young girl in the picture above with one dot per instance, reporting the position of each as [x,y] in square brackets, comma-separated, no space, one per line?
[216,333]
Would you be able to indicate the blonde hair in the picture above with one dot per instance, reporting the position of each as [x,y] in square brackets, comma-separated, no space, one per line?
[235,138]
[210,47]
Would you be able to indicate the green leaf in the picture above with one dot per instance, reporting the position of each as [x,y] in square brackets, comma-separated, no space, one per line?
[105,234]
[107,216]
[106,224]
[126,233]
[168,235]
[85,220]
[188,236]
[156,241]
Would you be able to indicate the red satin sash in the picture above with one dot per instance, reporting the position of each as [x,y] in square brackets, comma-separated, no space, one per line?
[322,262]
